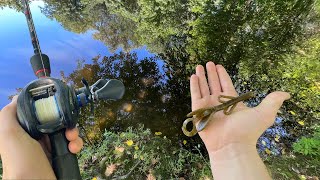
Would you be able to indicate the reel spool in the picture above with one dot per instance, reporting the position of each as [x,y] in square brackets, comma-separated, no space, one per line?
[47,105]
[47,109]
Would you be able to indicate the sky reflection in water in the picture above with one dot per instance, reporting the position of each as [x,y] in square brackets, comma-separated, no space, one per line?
[62,47]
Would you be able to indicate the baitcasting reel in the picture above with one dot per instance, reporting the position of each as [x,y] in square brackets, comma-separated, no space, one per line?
[49,106]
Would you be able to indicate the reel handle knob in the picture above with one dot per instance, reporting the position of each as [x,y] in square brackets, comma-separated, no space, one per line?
[64,163]
[105,90]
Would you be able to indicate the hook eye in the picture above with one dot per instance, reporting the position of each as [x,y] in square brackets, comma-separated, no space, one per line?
[184,128]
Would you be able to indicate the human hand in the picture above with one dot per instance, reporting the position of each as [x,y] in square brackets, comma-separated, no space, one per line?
[22,156]
[245,125]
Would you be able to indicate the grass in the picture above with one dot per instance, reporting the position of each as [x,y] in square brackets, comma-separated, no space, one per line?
[293,166]
[140,154]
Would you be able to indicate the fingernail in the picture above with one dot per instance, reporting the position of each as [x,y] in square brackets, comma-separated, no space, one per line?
[199,66]
[200,70]
[288,96]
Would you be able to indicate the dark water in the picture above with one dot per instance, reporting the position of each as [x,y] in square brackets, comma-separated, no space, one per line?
[153,47]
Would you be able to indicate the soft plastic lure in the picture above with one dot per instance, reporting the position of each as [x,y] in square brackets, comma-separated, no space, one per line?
[203,115]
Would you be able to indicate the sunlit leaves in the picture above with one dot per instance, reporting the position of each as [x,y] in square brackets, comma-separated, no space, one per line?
[267,151]
[301,123]
[13,4]
[302,177]
[157,156]
[129,142]
[263,142]
[309,146]
[184,142]
[292,112]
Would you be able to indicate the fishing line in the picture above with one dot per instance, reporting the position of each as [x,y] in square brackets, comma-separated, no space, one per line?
[47,109]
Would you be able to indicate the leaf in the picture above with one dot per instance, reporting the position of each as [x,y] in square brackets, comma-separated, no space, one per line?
[184,142]
[150,176]
[129,142]
[296,170]
[110,169]
[292,112]
[267,151]
[277,138]
[301,123]
[158,133]
[302,177]
[263,142]
[118,150]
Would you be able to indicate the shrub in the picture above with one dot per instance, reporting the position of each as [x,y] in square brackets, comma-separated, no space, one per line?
[309,146]
[138,154]
[1,170]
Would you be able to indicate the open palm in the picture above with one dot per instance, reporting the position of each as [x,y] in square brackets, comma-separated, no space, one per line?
[244,125]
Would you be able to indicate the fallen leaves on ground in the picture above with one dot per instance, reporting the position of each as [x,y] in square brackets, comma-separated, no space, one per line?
[110,169]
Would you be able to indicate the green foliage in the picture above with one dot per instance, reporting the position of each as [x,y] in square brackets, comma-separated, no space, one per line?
[297,74]
[159,20]
[13,4]
[293,166]
[111,27]
[252,32]
[309,146]
[1,169]
[138,154]
[70,13]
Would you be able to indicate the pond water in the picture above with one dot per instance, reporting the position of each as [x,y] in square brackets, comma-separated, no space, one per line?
[153,48]
[62,46]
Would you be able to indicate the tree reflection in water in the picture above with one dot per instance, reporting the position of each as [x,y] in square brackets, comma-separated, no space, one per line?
[156,95]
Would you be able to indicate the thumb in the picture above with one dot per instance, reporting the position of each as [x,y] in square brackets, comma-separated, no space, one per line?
[8,118]
[271,104]
[10,110]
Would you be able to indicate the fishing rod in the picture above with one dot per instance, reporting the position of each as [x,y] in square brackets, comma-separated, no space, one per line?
[47,106]
[42,66]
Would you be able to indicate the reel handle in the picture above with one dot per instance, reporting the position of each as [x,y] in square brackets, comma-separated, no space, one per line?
[64,163]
